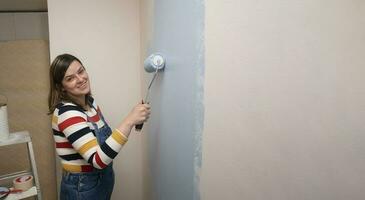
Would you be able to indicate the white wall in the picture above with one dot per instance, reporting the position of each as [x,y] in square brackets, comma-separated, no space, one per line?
[146,22]
[105,36]
[284,100]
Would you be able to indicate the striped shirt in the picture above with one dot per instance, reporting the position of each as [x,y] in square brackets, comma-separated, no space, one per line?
[75,139]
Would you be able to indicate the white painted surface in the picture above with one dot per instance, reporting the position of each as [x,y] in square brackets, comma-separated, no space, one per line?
[105,36]
[285,100]
[146,20]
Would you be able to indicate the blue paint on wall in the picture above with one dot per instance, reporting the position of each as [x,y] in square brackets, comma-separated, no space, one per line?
[176,97]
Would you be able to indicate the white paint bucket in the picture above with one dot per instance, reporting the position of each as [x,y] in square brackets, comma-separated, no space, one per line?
[4,126]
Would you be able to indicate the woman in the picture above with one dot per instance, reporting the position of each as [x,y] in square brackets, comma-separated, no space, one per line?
[85,143]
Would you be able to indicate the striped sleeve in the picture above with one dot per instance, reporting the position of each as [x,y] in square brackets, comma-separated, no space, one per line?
[72,122]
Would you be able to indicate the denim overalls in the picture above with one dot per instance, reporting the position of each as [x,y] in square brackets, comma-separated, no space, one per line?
[95,185]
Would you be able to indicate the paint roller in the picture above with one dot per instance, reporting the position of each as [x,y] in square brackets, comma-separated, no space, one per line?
[153,63]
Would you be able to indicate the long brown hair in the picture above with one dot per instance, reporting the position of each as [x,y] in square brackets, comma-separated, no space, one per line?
[57,72]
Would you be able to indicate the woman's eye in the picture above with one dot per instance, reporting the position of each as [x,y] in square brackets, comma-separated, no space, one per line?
[82,70]
[69,79]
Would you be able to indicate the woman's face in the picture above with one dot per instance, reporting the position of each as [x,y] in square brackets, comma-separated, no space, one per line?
[76,81]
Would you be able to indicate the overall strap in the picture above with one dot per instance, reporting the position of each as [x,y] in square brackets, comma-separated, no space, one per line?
[97,110]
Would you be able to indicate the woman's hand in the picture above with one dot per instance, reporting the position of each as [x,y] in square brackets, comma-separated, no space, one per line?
[138,115]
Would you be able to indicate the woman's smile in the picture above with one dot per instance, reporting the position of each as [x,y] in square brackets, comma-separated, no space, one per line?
[83,85]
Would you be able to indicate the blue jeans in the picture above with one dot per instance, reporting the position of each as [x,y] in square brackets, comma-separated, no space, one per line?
[95,185]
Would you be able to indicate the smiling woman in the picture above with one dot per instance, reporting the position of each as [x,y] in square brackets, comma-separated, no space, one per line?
[84,141]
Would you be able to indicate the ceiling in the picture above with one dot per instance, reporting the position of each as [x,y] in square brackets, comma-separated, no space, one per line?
[23,5]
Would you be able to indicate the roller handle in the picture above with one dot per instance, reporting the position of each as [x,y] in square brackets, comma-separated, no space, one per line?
[138,127]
